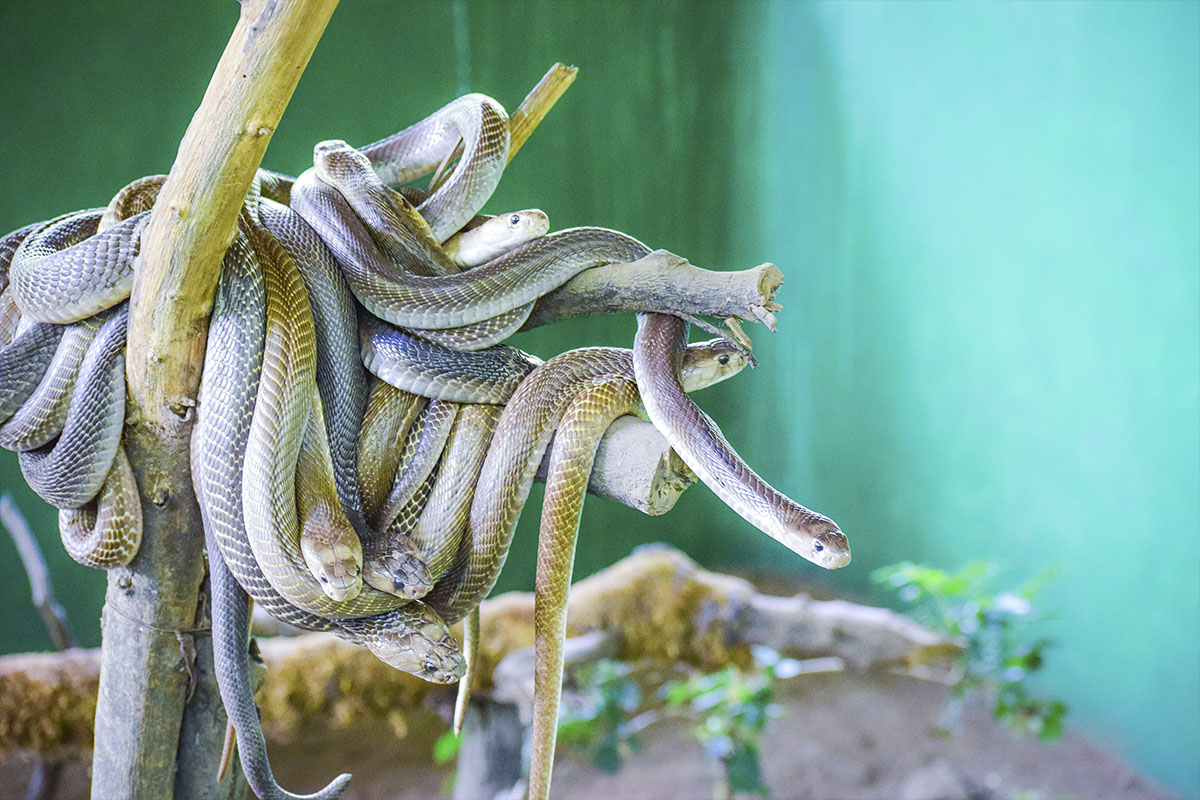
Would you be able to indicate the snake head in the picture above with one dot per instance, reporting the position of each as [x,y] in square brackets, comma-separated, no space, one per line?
[334,159]
[706,363]
[332,554]
[420,645]
[336,569]
[399,571]
[819,539]
[496,236]
[831,549]
[811,535]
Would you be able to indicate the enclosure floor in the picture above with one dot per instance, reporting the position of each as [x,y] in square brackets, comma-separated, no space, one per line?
[842,737]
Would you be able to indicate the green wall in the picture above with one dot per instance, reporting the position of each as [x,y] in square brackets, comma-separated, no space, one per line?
[996,210]
[987,215]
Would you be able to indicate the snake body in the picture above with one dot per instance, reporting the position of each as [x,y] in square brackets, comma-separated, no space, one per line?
[23,362]
[510,281]
[431,370]
[422,449]
[595,404]
[658,354]
[341,384]
[69,271]
[365,264]
[482,125]
[290,458]
[390,414]
[107,530]
[69,472]
[41,417]
[439,529]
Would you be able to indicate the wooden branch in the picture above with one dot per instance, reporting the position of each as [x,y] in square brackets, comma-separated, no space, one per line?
[656,605]
[150,659]
[663,281]
[194,217]
[537,104]
[40,586]
[635,466]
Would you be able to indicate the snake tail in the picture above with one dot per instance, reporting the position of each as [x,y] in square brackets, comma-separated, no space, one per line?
[594,408]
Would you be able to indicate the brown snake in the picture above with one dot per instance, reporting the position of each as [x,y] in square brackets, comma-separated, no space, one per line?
[283,389]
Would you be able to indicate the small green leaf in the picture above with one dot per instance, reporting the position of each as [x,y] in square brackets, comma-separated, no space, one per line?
[743,771]
[445,749]
[607,758]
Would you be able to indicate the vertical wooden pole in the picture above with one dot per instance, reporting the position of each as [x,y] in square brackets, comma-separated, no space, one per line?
[153,606]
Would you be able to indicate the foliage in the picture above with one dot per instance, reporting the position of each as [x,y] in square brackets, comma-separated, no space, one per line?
[735,706]
[999,655]
[601,723]
[446,748]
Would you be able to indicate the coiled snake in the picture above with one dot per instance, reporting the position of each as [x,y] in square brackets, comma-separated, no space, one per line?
[382,519]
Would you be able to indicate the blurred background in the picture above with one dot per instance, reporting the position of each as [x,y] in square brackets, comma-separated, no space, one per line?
[988,220]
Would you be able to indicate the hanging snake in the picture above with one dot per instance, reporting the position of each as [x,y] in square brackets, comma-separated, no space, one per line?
[283,398]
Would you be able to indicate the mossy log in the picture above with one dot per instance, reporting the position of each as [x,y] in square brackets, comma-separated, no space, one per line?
[655,606]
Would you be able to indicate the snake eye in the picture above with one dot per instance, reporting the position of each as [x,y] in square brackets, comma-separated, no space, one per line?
[818,547]
[324,579]
[723,360]
[515,219]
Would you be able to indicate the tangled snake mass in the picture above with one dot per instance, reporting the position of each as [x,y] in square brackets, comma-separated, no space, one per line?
[364,442]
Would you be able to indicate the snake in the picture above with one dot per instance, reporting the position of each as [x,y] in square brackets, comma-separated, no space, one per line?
[42,415]
[493,237]
[80,404]
[341,384]
[658,353]
[283,390]
[68,472]
[481,124]
[23,362]
[364,262]
[420,453]
[107,531]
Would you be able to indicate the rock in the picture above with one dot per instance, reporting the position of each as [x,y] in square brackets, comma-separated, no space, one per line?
[941,780]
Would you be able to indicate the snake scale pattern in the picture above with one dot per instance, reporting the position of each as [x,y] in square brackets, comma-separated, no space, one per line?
[364,443]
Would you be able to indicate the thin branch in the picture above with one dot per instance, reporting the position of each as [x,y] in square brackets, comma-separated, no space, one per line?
[43,783]
[40,585]
[663,281]
[537,104]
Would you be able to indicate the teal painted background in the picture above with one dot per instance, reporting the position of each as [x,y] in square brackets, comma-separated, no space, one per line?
[987,215]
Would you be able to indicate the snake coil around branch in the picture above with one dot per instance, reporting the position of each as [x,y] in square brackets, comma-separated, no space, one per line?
[364,442]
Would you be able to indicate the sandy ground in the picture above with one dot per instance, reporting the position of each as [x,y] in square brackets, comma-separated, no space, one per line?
[842,737]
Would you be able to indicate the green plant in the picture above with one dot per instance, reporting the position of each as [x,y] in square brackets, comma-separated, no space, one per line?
[445,750]
[999,654]
[601,723]
[735,706]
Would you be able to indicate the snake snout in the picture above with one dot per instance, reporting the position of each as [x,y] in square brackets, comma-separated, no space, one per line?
[449,667]
[533,221]
[831,549]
